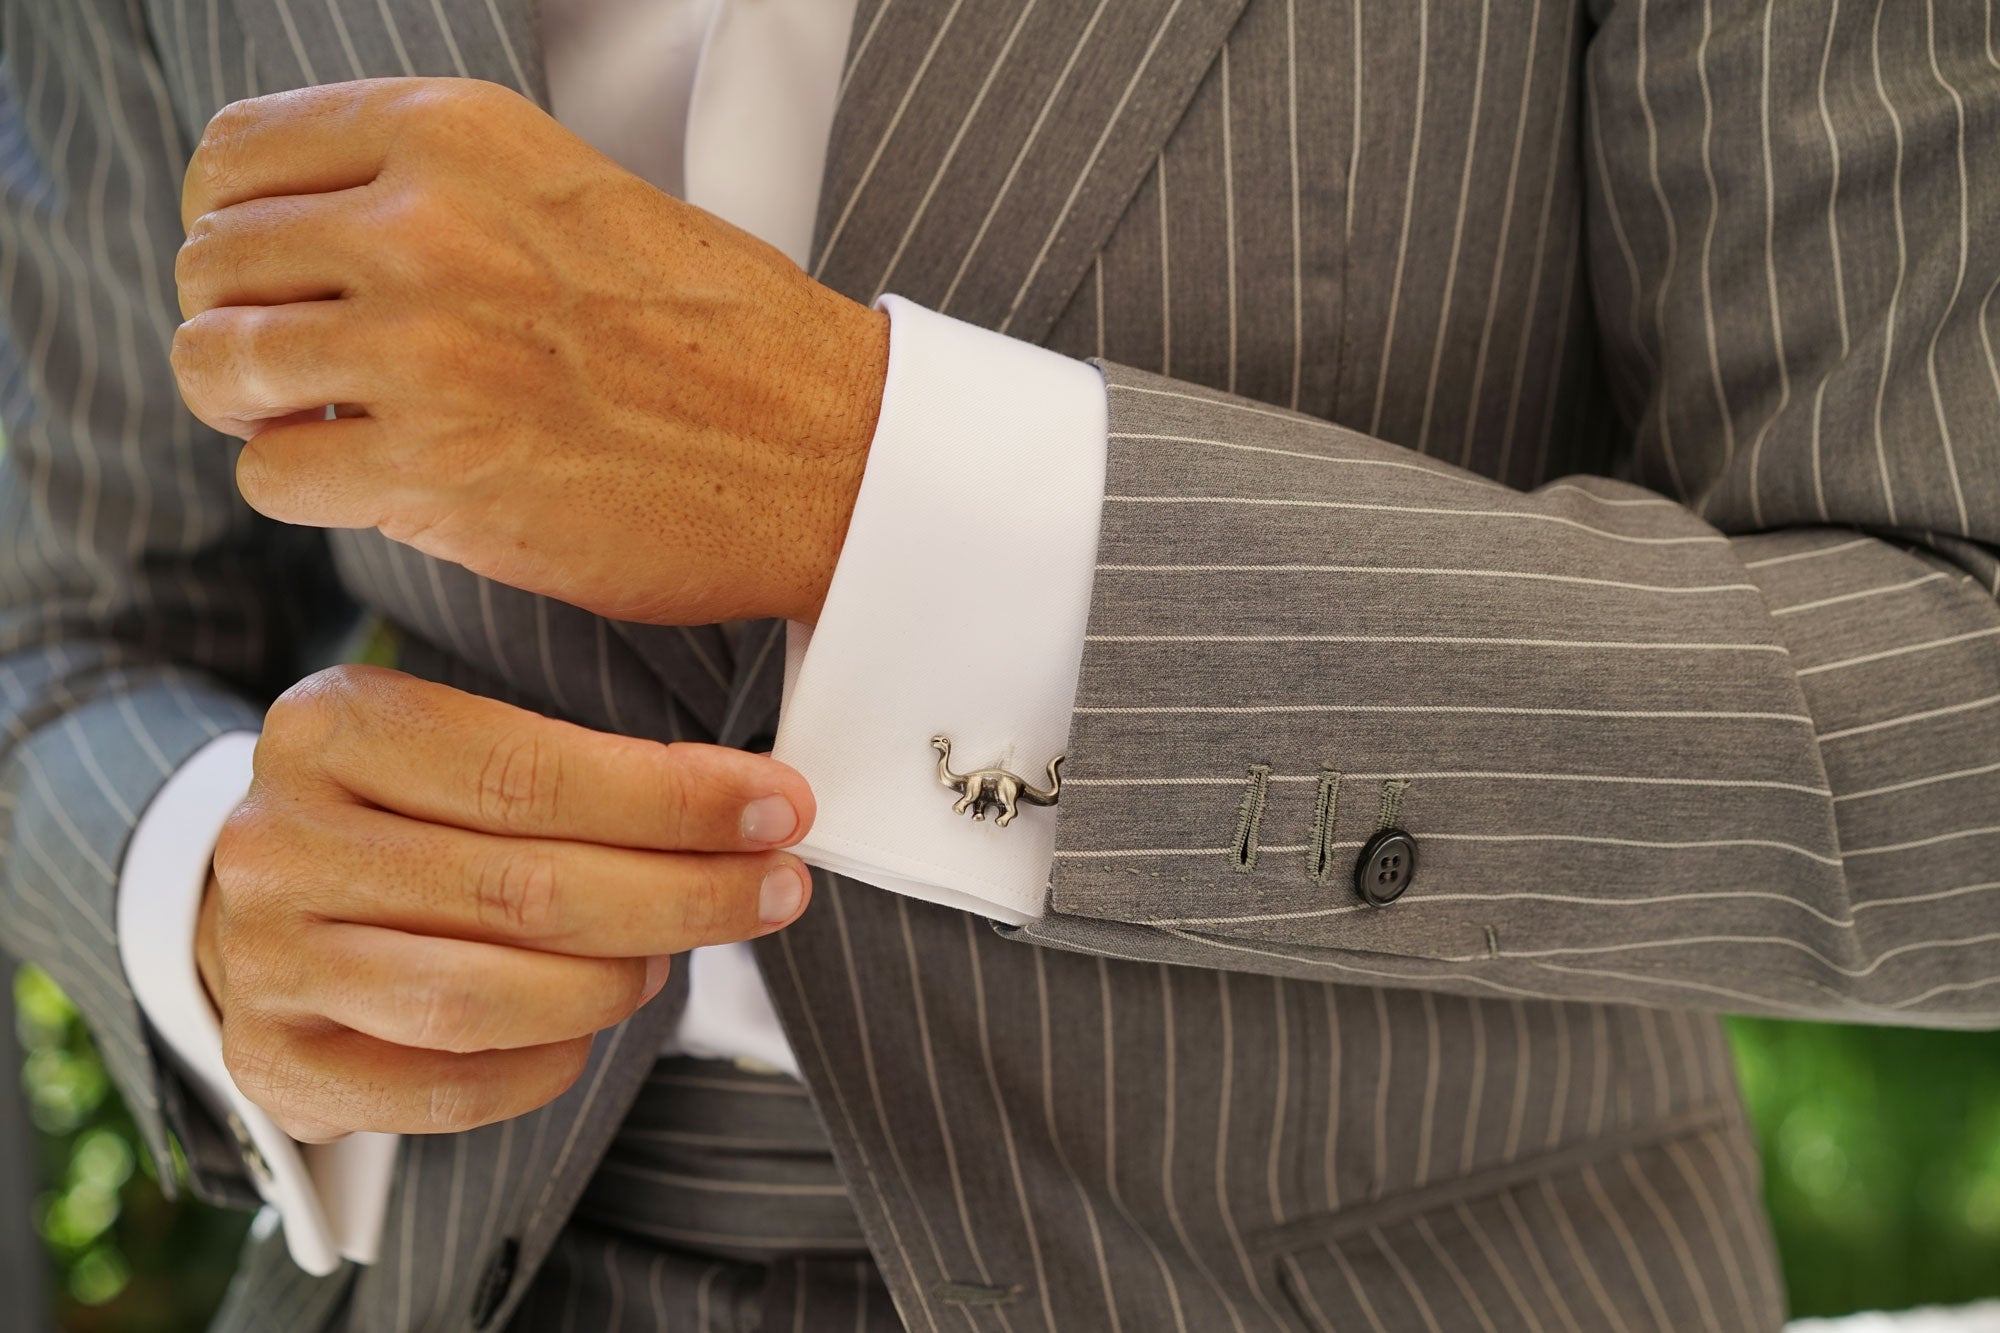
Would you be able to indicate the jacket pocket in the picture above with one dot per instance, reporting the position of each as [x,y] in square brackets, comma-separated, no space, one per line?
[1655,1230]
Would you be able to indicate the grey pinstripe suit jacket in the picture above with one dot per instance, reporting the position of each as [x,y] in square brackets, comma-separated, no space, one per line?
[1405,285]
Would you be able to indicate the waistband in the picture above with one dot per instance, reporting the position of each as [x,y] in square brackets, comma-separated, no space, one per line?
[720,1160]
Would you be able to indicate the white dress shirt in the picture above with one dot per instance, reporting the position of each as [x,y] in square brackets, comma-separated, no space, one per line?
[957,606]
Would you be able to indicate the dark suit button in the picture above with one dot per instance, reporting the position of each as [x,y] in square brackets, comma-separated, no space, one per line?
[493,1283]
[1387,865]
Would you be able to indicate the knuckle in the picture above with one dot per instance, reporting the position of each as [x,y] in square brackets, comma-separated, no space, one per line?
[297,721]
[281,742]
[261,341]
[313,717]
[257,1065]
[261,975]
[306,1129]
[222,354]
[408,525]
[260,878]
[351,681]
[425,228]
[485,94]
[406,211]
[520,783]
[199,261]
[565,1065]
[246,979]
[219,154]
[623,991]
[712,900]
[514,892]
[461,1102]
[231,120]
[674,796]
[198,353]
[445,1015]
[260,480]
[445,105]
[239,846]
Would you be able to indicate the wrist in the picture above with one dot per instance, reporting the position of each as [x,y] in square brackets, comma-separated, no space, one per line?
[836,455]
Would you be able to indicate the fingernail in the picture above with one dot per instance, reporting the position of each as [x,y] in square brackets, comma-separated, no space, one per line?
[769,819]
[783,890]
[656,974]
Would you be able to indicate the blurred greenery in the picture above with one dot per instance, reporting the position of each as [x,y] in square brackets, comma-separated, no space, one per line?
[1881,1150]
[123,1259]
[1881,1161]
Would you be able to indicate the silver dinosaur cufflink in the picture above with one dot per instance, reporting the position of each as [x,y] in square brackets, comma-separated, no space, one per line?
[993,787]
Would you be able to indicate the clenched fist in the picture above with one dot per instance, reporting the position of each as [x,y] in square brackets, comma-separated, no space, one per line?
[546,370]
[429,901]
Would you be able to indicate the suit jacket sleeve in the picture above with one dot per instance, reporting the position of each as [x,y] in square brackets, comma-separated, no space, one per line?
[1736,750]
[139,598]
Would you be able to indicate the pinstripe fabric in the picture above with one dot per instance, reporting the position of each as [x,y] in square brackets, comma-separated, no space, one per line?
[717,1208]
[711,1156]
[1604,705]
[595,1281]
[1727,743]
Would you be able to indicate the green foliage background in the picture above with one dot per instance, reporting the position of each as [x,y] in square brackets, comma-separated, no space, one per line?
[1881,1150]
[1881,1161]
[122,1259]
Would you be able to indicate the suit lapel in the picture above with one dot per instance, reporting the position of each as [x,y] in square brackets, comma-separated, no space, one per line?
[981,155]
[983,152]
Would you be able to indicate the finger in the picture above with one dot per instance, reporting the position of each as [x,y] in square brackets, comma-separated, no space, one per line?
[447,757]
[243,365]
[457,995]
[319,1080]
[381,869]
[318,472]
[270,251]
[301,141]
[307,416]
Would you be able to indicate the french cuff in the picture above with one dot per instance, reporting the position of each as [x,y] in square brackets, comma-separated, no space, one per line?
[330,1197]
[957,610]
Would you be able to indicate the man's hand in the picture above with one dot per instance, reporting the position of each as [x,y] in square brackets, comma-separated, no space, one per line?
[429,901]
[546,370]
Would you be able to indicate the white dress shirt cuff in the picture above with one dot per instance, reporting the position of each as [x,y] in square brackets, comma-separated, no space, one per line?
[331,1197]
[957,609]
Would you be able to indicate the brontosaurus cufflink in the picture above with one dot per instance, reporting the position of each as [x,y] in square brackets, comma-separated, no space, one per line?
[994,787]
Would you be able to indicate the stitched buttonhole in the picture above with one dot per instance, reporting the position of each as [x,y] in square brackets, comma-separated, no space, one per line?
[1319,854]
[1392,802]
[1250,818]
